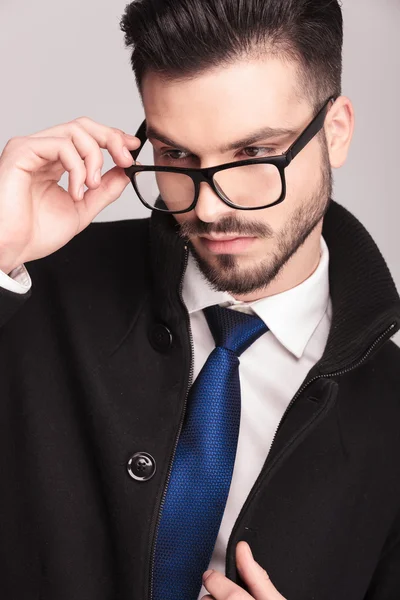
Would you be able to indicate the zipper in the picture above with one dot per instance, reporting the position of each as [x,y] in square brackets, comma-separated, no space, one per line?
[300,391]
[191,371]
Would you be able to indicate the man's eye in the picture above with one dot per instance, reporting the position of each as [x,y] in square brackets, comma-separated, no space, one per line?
[170,155]
[250,152]
[262,150]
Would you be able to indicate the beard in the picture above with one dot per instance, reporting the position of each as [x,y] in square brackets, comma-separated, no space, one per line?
[226,275]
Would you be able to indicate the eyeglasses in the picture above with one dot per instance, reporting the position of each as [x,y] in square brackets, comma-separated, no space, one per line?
[250,184]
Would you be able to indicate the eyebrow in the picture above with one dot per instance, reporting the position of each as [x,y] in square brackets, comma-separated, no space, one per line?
[262,134]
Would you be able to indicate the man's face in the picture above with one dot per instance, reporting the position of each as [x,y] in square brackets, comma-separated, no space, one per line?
[222,106]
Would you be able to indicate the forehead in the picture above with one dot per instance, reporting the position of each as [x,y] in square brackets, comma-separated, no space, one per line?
[225,103]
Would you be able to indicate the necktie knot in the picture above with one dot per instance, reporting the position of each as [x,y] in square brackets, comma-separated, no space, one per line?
[232,329]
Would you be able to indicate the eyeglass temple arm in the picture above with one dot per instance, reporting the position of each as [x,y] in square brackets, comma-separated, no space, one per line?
[310,131]
[141,134]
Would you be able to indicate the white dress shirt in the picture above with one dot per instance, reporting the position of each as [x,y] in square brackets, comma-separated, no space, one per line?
[271,370]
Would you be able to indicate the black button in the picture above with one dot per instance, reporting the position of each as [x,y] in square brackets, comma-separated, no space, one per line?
[141,466]
[160,338]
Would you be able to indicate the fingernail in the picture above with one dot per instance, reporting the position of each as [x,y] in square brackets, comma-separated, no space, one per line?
[127,153]
[132,137]
[249,552]
[207,574]
[97,176]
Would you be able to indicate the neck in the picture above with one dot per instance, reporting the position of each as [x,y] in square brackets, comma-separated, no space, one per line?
[299,268]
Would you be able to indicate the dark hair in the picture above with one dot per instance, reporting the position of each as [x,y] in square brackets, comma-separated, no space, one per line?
[180,39]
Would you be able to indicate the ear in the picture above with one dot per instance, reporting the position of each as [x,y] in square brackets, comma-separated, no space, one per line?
[339,127]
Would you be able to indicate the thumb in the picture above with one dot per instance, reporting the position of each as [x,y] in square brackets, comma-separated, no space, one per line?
[110,189]
[255,577]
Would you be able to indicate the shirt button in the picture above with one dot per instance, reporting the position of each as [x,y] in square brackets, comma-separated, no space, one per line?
[161,338]
[141,466]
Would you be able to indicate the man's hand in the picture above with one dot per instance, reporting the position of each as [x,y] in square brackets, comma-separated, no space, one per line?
[255,577]
[37,215]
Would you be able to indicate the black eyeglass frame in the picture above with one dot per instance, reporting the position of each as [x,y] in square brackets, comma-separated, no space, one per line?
[281,161]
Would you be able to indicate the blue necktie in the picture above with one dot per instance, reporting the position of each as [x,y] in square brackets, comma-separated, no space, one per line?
[203,465]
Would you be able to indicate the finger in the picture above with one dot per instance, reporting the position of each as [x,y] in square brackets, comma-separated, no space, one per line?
[86,146]
[106,137]
[222,588]
[34,153]
[112,185]
[113,139]
[255,577]
[88,137]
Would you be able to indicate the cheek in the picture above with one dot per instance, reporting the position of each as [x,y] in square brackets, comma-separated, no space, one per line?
[296,179]
[303,174]
[184,218]
[275,216]
[179,219]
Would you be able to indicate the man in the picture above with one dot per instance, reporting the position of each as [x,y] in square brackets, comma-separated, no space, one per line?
[135,453]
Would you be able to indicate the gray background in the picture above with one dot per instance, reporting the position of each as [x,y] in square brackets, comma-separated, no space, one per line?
[62,61]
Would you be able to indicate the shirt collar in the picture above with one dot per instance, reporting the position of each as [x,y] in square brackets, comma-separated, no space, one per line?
[291,316]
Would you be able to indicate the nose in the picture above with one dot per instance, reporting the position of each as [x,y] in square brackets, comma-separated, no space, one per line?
[209,207]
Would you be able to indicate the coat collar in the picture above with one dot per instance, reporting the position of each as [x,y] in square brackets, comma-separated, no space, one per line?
[365,302]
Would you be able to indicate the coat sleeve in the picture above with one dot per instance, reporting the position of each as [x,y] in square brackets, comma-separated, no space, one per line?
[10,302]
[385,583]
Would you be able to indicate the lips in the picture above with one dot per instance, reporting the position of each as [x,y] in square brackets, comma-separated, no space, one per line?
[227,245]
[222,239]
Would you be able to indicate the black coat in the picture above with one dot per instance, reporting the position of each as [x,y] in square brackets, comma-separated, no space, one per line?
[94,368]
